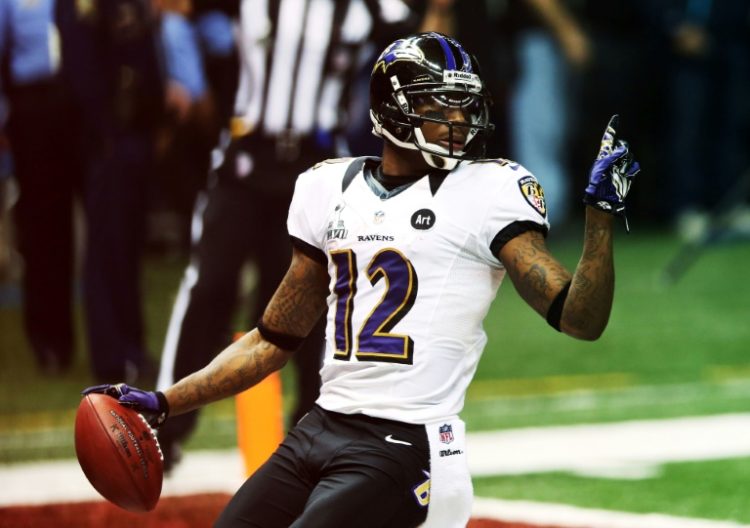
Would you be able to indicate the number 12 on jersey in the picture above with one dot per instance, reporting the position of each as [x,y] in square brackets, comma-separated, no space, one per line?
[374,341]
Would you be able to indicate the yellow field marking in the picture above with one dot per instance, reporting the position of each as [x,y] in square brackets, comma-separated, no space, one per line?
[727,373]
[36,420]
[30,421]
[480,389]
[493,388]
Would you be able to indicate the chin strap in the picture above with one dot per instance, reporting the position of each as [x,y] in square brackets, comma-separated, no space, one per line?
[435,161]
[439,162]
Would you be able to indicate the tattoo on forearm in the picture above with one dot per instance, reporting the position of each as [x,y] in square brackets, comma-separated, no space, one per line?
[243,364]
[536,274]
[590,300]
[294,309]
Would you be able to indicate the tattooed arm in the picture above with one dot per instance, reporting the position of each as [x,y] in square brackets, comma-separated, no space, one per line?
[294,309]
[539,277]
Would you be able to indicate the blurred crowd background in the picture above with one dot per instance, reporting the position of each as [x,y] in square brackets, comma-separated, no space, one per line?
[111,110]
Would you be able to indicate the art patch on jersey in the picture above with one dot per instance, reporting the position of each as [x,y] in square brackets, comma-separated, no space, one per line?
[423,219]
[446,433]
[336,228]
[534,194]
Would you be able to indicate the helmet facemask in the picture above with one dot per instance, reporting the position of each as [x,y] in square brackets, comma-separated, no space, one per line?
[461,111]
[427,95]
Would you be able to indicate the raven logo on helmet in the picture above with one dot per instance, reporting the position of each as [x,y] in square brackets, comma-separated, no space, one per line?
[430,78]
[400,50]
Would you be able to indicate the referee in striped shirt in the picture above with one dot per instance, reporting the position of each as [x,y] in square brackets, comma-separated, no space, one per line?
[298,59]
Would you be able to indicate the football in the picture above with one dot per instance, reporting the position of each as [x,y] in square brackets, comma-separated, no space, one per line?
[119,453]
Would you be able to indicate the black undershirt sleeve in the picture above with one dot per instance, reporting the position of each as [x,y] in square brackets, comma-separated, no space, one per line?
[281,340]
[308,249]
[511,231]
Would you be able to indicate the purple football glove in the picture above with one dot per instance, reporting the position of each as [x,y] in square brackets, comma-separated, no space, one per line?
[612,173]
[152,405]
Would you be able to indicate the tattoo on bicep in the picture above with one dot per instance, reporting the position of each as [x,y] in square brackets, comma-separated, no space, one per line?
[299,300]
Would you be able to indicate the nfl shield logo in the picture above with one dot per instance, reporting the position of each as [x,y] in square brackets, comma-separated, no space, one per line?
[446,433]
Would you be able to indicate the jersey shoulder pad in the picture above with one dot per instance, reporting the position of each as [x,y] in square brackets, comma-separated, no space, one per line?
[509,180]
[497,170]
[323,177]
[331,161]
[498,162]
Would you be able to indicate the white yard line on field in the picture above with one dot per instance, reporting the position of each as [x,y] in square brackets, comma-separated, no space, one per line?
[565,516]
[64,481]
[633,449]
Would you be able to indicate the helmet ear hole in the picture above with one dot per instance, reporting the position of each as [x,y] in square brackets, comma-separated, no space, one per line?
[394,121]
[390,112]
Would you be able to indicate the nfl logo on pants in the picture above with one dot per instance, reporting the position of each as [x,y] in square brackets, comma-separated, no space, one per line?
[446,433]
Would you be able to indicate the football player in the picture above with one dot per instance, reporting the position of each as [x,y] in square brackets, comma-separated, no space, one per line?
[407,252]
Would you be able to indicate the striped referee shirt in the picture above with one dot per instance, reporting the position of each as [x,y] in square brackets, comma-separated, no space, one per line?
[299,57]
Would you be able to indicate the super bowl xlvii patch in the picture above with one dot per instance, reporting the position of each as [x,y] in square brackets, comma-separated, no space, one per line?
[534,194]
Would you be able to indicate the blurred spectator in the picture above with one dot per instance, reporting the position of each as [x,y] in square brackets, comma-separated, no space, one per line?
[439,15]
[110,61]
[297,62]
[708,119]
[201,69]
[532,52]
[549,46]
[44,132]
[6,198]
[622,76]
[483,27]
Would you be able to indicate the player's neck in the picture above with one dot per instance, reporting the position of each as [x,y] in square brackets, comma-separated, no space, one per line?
[403,163]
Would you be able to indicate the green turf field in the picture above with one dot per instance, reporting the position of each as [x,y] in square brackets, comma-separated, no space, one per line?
[712,490]
[669,351]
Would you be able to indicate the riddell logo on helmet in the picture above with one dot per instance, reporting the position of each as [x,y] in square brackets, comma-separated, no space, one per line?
[455,76]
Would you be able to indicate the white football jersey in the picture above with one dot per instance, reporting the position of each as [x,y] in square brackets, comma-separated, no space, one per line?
[412,277]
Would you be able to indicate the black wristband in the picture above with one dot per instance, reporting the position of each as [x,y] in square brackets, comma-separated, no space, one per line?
[163,408]
[554,314]
[284,341]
